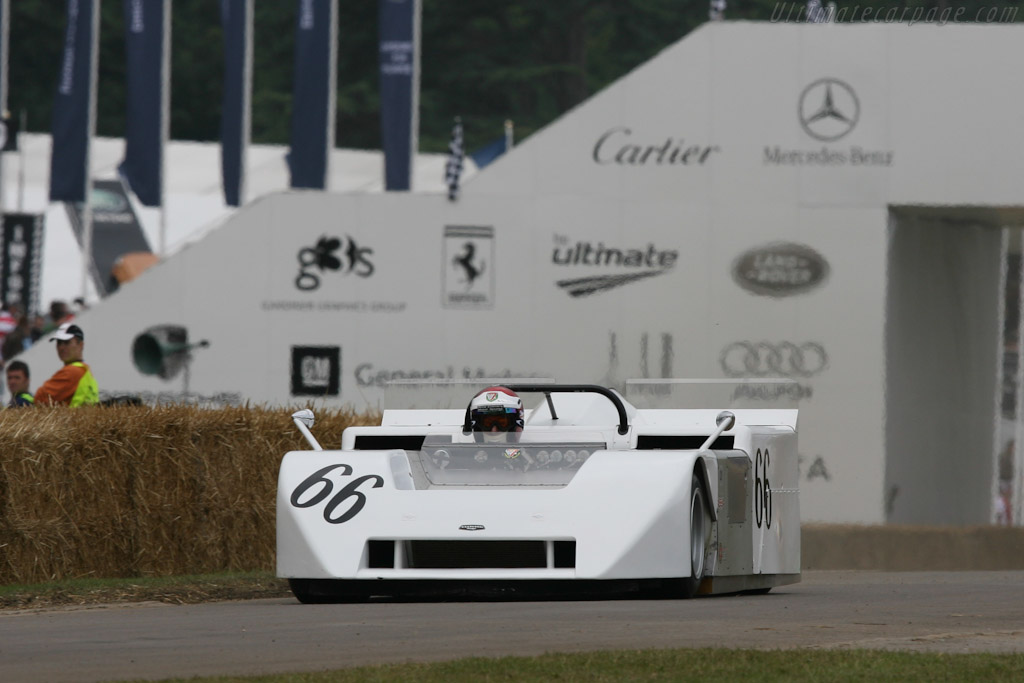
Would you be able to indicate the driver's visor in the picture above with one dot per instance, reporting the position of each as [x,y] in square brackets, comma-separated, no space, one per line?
[504,421]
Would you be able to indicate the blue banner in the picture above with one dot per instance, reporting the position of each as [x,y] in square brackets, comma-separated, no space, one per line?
[397,54]
[489,152]
[70,127]
[234,117]
[144,35]
[4,39]
[312,94]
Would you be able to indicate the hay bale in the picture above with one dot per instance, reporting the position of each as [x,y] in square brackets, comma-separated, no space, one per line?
[135,490]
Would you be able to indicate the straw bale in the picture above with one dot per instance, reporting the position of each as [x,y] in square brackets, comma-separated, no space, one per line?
[133,491]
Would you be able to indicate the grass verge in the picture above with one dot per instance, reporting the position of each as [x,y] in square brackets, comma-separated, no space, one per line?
[170,589]
[681,665]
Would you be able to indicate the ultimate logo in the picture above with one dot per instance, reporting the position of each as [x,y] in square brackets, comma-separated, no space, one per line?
[620,266]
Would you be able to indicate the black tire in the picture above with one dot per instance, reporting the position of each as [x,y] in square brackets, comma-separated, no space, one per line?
[700,526]
[328,591]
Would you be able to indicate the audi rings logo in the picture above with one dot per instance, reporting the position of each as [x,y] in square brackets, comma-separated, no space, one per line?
[764,359]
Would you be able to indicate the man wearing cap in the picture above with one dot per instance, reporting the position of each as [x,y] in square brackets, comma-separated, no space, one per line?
[73,385]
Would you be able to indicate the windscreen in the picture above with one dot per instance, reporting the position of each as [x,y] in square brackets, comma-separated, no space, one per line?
[443,393]
[512,460]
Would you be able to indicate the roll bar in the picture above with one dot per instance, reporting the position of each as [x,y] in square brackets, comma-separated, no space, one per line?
[548,389]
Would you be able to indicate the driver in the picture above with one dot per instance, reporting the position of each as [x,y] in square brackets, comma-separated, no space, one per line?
[497,412]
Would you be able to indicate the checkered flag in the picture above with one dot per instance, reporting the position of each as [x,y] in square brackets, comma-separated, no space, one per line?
[453,169]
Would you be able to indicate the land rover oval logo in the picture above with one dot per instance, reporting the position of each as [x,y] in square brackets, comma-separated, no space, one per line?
[471,527]
[780,269]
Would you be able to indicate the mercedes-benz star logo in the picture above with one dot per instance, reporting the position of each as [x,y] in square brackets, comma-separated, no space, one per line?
[828,109]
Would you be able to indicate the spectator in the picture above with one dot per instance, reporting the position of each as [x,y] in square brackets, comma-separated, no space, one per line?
[18,340]
[73,385]
[17,382]
[1004,504]
[38,324]
[59,314]
[7,324]
[14,341]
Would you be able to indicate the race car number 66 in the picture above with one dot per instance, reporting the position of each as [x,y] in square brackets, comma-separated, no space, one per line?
[326,486]
[762,489]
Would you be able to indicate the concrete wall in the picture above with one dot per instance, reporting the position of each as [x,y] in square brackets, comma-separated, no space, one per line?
[901,547]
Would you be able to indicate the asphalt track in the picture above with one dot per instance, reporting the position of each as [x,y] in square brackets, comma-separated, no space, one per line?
[921,611]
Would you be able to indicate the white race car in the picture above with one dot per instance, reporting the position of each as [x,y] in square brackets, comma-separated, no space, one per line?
[592,494]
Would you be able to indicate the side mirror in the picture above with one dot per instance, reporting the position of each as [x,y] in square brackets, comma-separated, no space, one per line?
[725,420]
[305,416]
[304,419]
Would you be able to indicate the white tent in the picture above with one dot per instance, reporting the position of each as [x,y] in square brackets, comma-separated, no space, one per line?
[195,199]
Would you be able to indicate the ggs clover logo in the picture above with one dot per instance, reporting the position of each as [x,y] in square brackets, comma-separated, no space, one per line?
[315,261]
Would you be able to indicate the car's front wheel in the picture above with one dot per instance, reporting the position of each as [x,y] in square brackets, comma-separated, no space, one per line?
[323,591]
[699,528]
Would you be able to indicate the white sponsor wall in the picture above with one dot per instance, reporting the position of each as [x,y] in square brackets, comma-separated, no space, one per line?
[722,211]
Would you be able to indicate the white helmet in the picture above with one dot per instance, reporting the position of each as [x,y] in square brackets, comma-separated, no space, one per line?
[496,409]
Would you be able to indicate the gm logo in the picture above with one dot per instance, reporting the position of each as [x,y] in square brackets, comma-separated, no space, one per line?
[316,370]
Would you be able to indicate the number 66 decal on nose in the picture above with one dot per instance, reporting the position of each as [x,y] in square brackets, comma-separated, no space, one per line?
[349,490]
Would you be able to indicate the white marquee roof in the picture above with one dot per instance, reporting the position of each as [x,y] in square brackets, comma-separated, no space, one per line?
[195,200]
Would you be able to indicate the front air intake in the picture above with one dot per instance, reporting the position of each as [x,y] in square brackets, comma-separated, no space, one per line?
[471,554]
[476,555]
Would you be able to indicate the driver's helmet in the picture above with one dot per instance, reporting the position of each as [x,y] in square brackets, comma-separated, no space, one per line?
[496,409]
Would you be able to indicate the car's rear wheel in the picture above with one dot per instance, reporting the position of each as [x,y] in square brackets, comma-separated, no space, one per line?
[699,529]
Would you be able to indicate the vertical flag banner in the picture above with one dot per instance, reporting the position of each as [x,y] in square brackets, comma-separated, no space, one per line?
[453,167]
[144,38]
[71,106]
[397,67]
[5,32]
[11,128]
[313,93]
[5,117]
[21,256]
[236,19]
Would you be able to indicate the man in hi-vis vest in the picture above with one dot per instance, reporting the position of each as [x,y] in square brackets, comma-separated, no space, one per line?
[73,385]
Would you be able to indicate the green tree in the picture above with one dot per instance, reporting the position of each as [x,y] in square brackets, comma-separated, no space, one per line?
[525,60]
